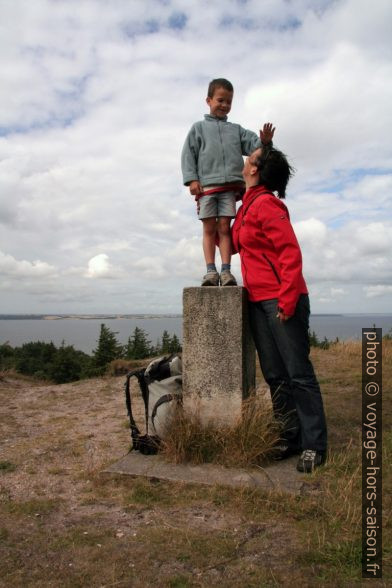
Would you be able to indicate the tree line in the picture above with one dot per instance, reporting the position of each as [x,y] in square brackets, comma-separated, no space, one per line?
[66,364]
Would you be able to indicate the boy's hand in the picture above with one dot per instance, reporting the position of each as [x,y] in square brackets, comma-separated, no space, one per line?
[267,133]
[195,188]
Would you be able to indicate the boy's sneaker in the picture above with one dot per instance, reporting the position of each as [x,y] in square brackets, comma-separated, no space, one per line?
[227,279]
[210,279]
[309,460]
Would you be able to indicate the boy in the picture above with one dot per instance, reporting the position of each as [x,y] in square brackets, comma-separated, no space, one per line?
[212,165]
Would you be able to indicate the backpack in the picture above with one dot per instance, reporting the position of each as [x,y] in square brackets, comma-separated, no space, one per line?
[161,388]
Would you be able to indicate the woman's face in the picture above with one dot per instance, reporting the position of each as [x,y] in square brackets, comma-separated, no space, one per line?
[250,167]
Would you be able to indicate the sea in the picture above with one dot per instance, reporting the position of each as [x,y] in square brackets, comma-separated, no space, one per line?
[83,332]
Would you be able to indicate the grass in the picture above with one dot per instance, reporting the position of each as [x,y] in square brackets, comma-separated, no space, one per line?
[7,466]
[245,443]
[66,524]
[35,507]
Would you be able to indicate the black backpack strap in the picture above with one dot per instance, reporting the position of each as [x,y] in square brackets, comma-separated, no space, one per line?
[146,444]
[145,394]
[162,400]
[139,374]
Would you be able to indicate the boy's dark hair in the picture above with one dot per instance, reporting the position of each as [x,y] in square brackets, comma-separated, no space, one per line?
[274,170]
[219,83]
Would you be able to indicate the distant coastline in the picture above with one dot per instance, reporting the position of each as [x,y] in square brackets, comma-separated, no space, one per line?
[57,317]
[86,317]
[82,330]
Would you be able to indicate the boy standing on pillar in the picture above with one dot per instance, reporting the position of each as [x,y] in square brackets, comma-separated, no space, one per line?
[212,166]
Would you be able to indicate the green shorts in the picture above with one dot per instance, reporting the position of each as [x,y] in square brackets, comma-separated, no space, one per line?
[216,205]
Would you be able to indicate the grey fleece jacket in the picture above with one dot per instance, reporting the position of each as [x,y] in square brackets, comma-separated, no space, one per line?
[213,150]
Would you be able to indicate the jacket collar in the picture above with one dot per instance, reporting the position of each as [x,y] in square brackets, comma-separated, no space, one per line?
[253,191]
[211,117]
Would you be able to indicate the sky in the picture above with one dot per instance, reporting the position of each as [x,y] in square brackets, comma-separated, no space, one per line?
[96,99]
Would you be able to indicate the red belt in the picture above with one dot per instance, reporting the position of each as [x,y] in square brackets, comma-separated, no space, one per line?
[226,188]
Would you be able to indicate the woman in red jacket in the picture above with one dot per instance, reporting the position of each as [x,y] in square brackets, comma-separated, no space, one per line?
[271,265]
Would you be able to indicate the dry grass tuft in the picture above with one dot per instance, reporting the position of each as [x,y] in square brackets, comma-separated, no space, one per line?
[6,374]
[354,348]
[349,347]
[246,443]
[120,367]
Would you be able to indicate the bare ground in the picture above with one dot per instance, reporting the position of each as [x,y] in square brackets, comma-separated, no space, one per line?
[64,523]
[79,527]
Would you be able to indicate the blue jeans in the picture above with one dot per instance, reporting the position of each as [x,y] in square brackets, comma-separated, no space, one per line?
[283,350]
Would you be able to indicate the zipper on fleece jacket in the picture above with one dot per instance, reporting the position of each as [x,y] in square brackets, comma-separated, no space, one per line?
[244,277]
[242,262]
[272,267]
[223,151]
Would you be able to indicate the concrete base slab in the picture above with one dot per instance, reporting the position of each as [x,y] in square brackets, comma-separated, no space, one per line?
[278,477]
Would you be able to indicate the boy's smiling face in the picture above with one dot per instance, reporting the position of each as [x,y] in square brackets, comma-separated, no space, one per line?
[220,103]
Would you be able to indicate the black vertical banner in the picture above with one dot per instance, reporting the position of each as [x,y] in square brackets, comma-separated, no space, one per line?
[372,453]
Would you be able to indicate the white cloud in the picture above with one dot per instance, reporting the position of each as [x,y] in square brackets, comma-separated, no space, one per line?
[336,292]
[97,98]
[377,291]
[375,238]
[313,110]
[11,267]
[355,253]
[99,267]
[311,231]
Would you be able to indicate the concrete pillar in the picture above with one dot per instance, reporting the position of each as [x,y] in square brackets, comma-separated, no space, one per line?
[218,352]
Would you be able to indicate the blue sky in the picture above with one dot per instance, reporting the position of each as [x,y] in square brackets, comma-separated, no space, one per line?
[95,103]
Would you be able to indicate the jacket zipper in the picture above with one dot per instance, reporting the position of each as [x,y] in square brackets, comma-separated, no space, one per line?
[239,243]
[245,272]
[272,267]
[242,260]
[223,151]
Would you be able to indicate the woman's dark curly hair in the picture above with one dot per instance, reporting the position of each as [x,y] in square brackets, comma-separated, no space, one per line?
[274,170]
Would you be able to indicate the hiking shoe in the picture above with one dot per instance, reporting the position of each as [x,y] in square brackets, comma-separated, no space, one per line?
[227,279]
[210,279]
[283,451]
[309,460]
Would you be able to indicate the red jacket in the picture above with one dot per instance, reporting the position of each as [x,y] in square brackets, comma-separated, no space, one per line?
[271,260]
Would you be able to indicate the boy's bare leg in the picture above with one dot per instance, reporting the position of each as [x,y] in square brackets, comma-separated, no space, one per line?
[209,232]
[226,277]
[224,238]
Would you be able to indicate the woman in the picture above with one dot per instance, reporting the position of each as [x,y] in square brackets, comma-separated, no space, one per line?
[271,265]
